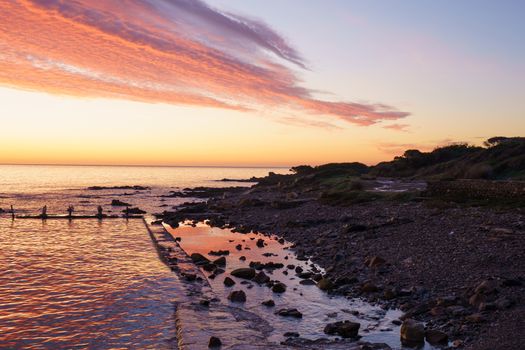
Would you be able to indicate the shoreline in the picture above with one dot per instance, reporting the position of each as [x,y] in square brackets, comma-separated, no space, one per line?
[457,269]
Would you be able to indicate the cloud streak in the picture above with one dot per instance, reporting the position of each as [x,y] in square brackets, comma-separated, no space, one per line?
[168,51]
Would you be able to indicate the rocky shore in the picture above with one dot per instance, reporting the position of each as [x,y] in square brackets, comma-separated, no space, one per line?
[456,271]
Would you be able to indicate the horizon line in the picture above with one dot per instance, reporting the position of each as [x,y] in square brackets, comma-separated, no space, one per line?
[148,166]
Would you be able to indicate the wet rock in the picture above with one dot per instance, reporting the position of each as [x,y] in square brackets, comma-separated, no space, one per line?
[242,258]
[279,288]
[325,284]
[307,282]
[345,329]
[261,278]
[199,259]
[214,342]
[134,211]
[436,337]
[369,288]
[245,272]
[304,275]
[220,261]
[228,282]
[209,267]
[238,247]
[237,296]
[204,302]
[486,287]
[269,303]
[290,266]
[289,313]
[219,252]
[317,277]
[260,243]
[412,332]
[298,269]
[375,262]
[291,335]
[117,203]
[475,318]
[190,277]
[281,240]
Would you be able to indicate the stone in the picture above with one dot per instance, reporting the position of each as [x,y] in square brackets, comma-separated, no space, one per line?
[291,335]
[220,261]
[412,332]
[289,313]
[199,259]
[242,258]
[369,288]
[475,318]
[279,288]
[375,261]
[269,303]
[486,287]
[307,282]
[261,278]
[244,272]
[214,342]
[117,203]
[219,252]
[260,243]
[237,296]
[228,282]
[345,329]
[238,247]
[325,284]
[436,337]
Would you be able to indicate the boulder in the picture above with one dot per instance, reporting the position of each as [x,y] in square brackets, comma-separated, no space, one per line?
[289,313]
[214,342]
[412,332]
[261,278]
[228,282]
[244,272]
[345,329]
[325,284]
[279,288]
[269,303]
[436,337]
[237,296]
[199,259]
[220,261]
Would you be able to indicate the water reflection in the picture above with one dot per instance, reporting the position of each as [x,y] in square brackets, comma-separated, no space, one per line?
[83,284]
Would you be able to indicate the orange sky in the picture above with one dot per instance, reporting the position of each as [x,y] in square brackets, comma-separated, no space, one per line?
[184,83]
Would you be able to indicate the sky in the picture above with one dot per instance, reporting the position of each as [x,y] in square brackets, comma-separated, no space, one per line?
[255,83]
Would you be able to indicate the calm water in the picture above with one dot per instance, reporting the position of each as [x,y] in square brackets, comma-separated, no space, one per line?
[29,188]
[85,283]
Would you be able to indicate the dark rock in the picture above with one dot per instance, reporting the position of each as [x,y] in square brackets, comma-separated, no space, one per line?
[375,261]
[289,313]
[237,296]
[214,342]
[412,332]
[261,278]
[245,272]
[269,303]
[242,258]
[436,337]
[219,252]
[220,261]
[260,243]
[228,282]
[209,267]
[279,288]
[345,329]
[238,247]
[135,211]
[199,259]
[369,288]
[325,284]
[307,282]
[117,203]
[291,335]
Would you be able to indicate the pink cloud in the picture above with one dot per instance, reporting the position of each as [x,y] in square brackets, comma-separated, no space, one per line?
[170,51]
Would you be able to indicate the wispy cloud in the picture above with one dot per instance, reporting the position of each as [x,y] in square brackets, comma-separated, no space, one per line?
[397,127]
[170,51]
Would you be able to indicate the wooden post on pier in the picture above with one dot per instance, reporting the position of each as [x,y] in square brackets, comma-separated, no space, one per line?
[99,212]
[12,212]
[70,210]
[44,212]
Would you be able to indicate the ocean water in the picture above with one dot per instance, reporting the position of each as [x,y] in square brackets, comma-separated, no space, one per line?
[29,188]
[87,283]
